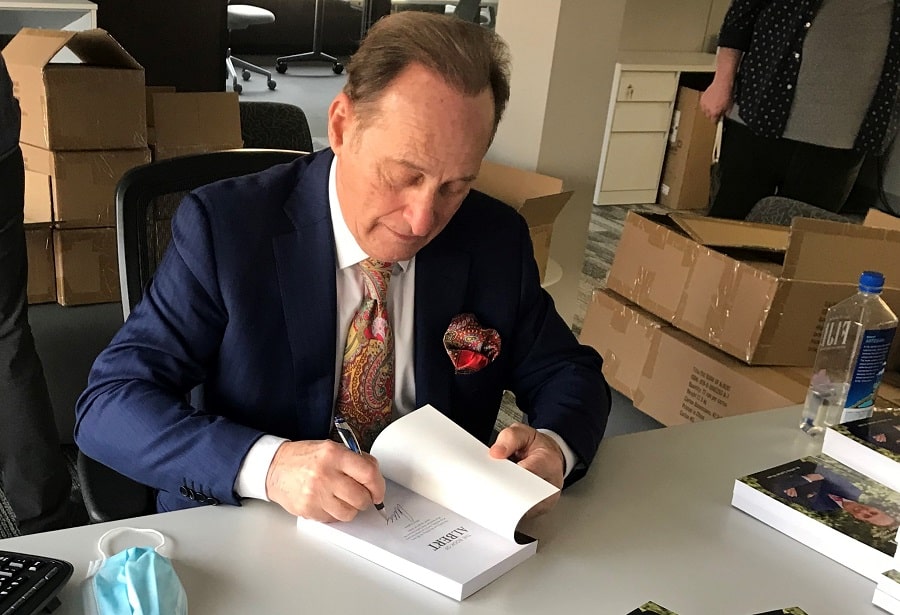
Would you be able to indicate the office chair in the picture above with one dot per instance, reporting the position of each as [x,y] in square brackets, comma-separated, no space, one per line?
[274,125]
[146,200]
[468,10]
[241,16]
[782,210]
[316,55]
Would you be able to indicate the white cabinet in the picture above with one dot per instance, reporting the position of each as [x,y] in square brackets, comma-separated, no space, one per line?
[642,98]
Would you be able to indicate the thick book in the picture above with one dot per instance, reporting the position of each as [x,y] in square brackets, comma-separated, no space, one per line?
[829,507]
[887,592]
[452,510]
[870,445]
[651,608]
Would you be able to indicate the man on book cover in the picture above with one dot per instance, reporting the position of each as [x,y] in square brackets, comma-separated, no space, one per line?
[820,489]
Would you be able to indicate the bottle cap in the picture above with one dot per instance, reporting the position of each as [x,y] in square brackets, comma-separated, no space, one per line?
[871,282]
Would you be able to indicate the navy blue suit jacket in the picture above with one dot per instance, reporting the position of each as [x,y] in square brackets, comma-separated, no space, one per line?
[244,302]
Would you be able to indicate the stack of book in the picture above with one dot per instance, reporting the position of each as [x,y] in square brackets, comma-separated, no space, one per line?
[651,608]
[887,592]
[844,503]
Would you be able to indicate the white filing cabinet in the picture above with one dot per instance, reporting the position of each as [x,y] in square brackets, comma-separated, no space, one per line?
[637,123]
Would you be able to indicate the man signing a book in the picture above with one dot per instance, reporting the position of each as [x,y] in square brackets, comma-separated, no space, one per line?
[359,283]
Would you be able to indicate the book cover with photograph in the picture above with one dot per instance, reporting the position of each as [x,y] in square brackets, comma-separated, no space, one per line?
[651,607]
[870,445]
[655,609]
[829,507]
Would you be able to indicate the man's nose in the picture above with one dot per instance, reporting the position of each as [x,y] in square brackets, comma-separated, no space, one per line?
[419,211]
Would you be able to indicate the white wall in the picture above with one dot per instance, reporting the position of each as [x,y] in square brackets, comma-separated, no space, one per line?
[563,54]
[663,25]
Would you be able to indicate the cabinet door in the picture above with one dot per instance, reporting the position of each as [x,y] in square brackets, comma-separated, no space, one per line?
[642,117]
[634,161]
[647,86]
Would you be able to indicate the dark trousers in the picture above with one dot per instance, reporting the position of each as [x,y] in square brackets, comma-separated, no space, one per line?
[32,468]
[752,167]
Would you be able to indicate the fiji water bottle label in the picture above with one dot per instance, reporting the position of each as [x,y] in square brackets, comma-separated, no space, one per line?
[867,374]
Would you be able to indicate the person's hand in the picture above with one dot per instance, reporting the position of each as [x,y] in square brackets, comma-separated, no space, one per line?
[323,480]
[716,101]
[790,492]
[537,453]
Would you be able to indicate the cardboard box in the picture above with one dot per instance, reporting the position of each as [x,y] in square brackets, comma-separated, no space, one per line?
[194,122]
[889,391]
[38,197]
[41,275]
[674,377]
[87,269]
[757,292]
[879,219]
[685,172]
[98,104]
[539,198]
[82,184]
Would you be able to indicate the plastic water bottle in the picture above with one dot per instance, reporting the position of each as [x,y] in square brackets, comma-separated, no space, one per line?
[851,358]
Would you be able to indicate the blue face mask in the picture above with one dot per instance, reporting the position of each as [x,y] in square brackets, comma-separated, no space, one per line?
[136,581]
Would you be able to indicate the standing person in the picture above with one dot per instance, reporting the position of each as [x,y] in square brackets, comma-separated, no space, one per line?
[32,468]
[807,89]
[277,284]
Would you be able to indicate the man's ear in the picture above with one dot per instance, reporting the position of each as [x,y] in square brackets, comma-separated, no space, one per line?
[340,120]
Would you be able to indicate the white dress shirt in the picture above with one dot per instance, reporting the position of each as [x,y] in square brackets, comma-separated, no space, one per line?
[251,478]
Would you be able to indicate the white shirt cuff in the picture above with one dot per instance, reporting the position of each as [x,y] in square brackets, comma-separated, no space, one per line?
[567,452]
[251,477]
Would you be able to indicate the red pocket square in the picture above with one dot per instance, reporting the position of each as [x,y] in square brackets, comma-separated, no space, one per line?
[469,345]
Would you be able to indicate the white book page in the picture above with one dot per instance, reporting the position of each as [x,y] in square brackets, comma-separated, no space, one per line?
[429,454]
[425,542]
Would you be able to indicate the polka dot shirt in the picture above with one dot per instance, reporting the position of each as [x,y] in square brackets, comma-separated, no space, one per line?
[771,35]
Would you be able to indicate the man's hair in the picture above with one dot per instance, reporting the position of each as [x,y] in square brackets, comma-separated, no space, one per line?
[468,57]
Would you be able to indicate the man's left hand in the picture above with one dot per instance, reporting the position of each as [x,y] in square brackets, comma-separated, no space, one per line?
[537,453]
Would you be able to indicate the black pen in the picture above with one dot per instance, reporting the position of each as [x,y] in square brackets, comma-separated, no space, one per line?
[348,437]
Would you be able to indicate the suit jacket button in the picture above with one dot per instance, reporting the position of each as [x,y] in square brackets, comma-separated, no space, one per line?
[185,491]
[213,501]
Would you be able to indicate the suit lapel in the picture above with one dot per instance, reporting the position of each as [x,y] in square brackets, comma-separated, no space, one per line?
[441,278]
[305,261]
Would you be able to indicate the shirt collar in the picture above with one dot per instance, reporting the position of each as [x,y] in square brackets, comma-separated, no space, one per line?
[348,251]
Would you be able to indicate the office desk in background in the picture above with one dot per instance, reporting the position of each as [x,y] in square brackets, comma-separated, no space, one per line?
[48,14]
[651,521]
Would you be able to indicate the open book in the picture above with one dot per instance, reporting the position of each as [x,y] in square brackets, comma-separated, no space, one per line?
[452,509]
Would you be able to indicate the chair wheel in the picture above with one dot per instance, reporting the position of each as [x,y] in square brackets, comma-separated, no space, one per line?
[281,67]
[337,68]
[271,83]
[237,87]
[246,75]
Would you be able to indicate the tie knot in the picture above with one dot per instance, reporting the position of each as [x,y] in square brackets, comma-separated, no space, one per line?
[376,275]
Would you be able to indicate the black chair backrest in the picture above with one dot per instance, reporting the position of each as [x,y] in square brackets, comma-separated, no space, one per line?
[147,197]
[468,10]
[274,125]
[146,200]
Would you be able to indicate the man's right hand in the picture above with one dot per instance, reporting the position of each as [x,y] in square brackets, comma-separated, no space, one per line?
[716,101]
[323,480]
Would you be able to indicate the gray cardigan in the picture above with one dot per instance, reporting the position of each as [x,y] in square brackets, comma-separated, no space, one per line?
[9,114]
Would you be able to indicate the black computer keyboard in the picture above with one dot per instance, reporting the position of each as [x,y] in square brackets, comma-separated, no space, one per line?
[29,583]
